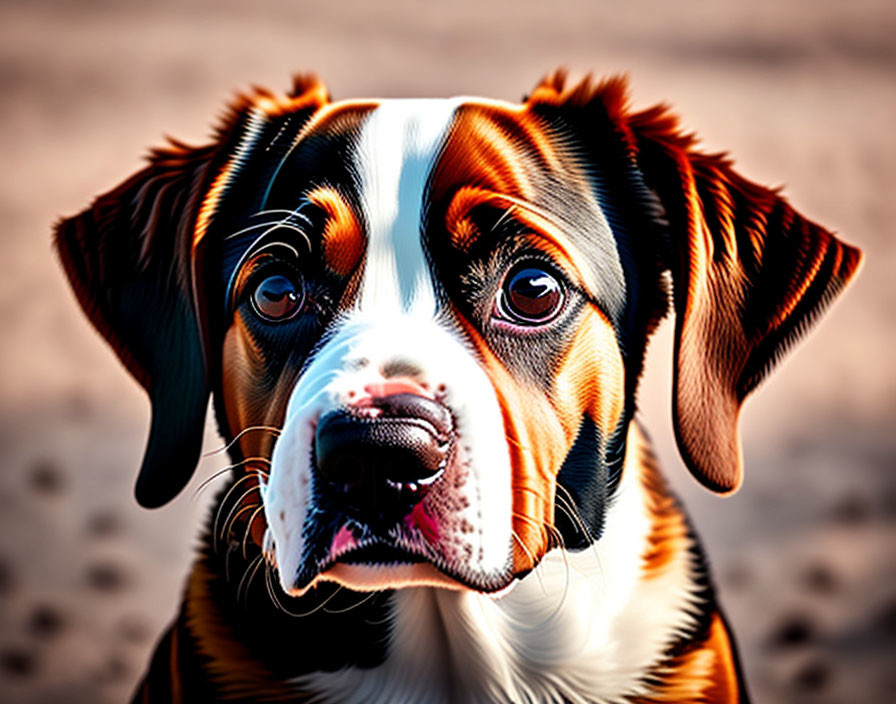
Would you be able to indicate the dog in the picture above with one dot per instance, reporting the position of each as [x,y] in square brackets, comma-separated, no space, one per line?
[422,325]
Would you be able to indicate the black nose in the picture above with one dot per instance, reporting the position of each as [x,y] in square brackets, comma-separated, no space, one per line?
[380,458]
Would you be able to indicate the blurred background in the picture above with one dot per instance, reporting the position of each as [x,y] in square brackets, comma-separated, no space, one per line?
[802,94]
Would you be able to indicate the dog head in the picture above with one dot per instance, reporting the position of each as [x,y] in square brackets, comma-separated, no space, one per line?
[439,309]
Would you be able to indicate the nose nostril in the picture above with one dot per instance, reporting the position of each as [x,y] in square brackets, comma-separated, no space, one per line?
[386,462]
[349,469]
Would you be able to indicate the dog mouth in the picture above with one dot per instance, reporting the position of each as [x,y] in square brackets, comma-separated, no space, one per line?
[373,553]
[360,559]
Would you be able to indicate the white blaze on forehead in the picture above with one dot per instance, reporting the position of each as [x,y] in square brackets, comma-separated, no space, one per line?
[397,147]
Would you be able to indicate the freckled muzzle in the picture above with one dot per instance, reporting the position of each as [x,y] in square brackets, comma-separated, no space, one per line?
[382,455]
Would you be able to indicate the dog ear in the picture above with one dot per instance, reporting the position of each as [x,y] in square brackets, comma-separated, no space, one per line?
[749,275]
[128,258]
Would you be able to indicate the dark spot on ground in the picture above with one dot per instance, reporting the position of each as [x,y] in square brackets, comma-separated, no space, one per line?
[737,576]
[7,581]
[820,579]
[888,503]
[45,477]
[813,676]
[104,524]
[77,406]
[106,577]
[133,629]
[886,685]
[17,662]
[792,631]
[886,619]
[45,622]
[852,510]
[114,670]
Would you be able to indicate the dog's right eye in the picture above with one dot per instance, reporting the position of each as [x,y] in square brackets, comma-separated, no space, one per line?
[278,298]
[530,296]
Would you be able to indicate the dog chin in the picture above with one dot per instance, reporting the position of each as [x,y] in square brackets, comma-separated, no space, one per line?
[373,577]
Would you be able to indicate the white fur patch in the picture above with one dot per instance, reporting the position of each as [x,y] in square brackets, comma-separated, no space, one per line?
[396,151]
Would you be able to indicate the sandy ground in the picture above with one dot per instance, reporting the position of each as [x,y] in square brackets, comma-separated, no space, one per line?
[801,93]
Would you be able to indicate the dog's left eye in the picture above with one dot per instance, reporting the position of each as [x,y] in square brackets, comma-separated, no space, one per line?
[278,297]
[530,295]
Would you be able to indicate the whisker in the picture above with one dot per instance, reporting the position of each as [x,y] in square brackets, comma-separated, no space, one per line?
[293,613]
[591,539]
[267,223]
[353,606]
[523,546]
[529,554]
[250,429]
[256,226]
[208,480]
[567,505]
[517,443]
[267,581]
[251,569]
[534,492]
[555,534]
[218,473]
[500,221]
[230,491]
[528,519]
[227,562]
[284,222]
[228,528]
[566,582]
[289,213]
[555,537]
[380,621]
[235,507]
[249,527]
[559,506]
[254,573]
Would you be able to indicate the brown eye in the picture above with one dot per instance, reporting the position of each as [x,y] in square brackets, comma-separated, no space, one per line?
[277,298]
[531,296]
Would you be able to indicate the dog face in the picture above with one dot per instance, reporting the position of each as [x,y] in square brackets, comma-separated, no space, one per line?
[443,307]
[467,340]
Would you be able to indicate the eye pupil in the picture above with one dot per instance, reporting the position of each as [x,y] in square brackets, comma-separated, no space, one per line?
[532,295]
[277,298]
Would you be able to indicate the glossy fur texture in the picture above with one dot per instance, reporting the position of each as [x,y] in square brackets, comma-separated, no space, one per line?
[544,559]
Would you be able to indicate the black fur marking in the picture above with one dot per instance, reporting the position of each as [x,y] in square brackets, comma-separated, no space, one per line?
[351,629]
[583,480]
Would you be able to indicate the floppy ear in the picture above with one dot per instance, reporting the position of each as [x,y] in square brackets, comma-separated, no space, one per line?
[128,258]
[749,274]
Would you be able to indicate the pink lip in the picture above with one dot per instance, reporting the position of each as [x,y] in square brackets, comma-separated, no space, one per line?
[424,522]
[342,541]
